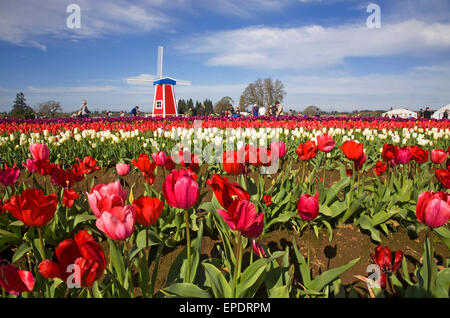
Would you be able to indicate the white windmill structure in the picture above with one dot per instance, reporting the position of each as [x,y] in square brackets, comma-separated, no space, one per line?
[164,103]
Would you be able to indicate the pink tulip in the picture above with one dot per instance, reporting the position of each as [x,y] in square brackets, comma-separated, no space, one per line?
[118,223]
[159,158]
[404,155]
[242,216]
[106,197]
[438,156]
[308,206]
[39,152]
[180,189]
[325,143]
[122,169]
[258,249]
[278,148]
[29,164]
[8,176]
[433,208]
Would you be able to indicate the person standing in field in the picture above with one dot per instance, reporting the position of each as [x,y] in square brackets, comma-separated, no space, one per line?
[427,113]
[84,111]
[262,110]
[279,109]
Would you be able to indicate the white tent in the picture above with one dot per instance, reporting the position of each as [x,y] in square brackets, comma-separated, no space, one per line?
[400,113]
[438,114]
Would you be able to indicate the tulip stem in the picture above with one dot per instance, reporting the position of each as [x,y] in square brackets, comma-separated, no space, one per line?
[324,168]
[91,293]
[188,241]
[309,243]
[42,243]
[303,173]
[431,261]
[237,267]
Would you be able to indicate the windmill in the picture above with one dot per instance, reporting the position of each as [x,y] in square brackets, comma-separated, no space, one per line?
[164,102]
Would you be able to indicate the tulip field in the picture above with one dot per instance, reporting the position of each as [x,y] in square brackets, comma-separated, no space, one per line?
[219,207]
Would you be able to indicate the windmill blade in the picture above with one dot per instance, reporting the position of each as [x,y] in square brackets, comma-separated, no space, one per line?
[142,79]
[183,82]
[159,62]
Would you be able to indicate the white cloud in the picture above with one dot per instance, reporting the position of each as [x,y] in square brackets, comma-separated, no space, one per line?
[315,46]
[29,22]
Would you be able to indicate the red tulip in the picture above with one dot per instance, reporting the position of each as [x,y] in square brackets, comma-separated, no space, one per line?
[308,206]
[148,210]
[146,167]
[267,199]
[438,156]
[170,164]
[14,280]
[83,252]
[188,160]
[180,189]
[248,154]
[62,178]
[8,176]
[225,191]
[359,163]
[383,259]
[69,197]
[88,165]
[307,151]
[122,169]
[230,163]
[353,150]
[443,175]
[389,152]
[242,216]
[325,142]
[433,208]
[380,167]
[419,154]
[44,168]
[32,207]
[39,152]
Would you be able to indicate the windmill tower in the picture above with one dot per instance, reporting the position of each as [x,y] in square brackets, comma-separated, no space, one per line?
[164,102]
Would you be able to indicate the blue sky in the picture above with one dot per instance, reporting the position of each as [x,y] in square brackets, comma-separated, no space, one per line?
[322,50]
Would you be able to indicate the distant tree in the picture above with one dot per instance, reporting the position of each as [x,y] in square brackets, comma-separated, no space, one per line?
[262,92]
[20,109]
[48,109]
[223,104]
[209,106]
[182,106]
[312,111]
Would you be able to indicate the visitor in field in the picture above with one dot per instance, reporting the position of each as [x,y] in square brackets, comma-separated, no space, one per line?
[84,111]
[134,111]
[427,113]
[420,113]
[202,110]
[255,110]
[445,115]
[279,109]
[262,110]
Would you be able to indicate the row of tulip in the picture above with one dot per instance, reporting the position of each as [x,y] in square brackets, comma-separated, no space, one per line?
[130,226]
